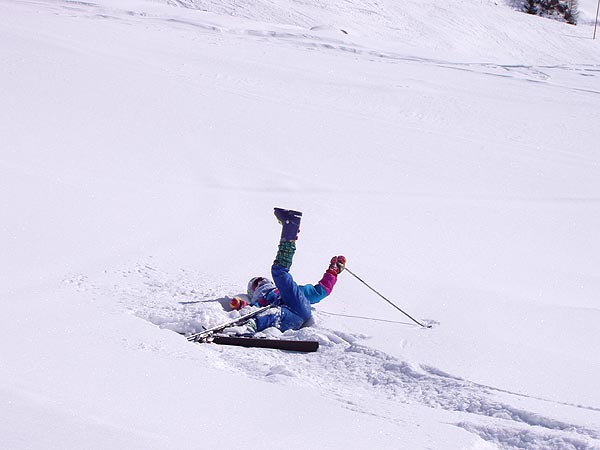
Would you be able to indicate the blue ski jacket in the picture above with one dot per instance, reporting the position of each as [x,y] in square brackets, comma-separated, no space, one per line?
[294,300]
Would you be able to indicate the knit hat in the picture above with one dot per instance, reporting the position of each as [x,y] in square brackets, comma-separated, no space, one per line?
[253,284]
[261,291]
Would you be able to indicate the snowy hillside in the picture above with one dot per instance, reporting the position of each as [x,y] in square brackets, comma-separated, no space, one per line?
[471,29]
[451,153]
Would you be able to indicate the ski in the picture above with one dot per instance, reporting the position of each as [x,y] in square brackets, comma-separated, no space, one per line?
[202,336]
[209,335]
[279,344]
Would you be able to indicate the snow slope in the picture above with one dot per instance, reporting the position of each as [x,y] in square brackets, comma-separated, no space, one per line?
[449,153]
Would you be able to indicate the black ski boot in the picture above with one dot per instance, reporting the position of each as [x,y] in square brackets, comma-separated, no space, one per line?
[290,221]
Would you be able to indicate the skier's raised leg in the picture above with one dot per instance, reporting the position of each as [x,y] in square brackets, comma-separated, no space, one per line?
[291,294]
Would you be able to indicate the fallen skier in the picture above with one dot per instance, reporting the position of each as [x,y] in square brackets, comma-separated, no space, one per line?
[291,302]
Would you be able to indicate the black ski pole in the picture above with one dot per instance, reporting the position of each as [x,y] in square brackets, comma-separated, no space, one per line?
[406,314]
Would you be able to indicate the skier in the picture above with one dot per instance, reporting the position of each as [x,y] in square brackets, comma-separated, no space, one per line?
[293,302]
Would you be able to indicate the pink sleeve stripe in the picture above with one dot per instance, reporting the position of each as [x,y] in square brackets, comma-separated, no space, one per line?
[328,282]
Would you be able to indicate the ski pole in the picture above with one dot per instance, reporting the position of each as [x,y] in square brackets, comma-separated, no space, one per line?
[406,314]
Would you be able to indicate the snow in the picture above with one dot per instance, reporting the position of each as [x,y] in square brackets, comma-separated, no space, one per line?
[448,150]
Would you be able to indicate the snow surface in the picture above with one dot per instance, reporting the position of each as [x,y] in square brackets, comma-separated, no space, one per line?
[449,150]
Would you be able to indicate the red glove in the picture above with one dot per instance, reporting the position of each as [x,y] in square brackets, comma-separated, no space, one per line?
[237,303]
[337,265]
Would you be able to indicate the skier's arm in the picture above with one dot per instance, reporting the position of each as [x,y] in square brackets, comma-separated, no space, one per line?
[321,290]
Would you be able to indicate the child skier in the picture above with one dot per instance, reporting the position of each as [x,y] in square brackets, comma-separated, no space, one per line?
[293,301]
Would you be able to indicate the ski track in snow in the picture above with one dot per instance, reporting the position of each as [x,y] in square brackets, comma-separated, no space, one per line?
[312,40]
[344,368]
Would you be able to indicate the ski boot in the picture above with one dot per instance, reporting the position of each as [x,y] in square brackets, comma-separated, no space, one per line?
[290,221]
[247,329]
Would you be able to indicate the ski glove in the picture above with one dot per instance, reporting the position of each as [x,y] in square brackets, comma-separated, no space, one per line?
[337,265]
[237,303]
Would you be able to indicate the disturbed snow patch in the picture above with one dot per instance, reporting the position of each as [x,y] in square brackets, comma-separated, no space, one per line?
[343,368]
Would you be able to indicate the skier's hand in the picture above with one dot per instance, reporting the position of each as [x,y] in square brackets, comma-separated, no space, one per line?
[337,265]
[237,303]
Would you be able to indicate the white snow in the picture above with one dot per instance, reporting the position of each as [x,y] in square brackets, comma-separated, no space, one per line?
[449,150]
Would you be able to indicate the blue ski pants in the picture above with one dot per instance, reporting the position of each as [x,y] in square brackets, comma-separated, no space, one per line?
[295,307]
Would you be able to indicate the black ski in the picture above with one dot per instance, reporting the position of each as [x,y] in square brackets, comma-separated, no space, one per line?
[279,344]
[210,336]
